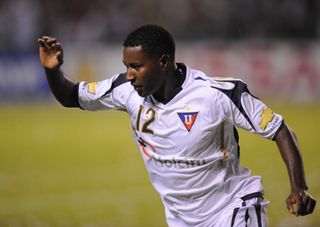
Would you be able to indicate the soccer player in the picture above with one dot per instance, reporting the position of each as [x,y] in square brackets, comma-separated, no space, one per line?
[184,123]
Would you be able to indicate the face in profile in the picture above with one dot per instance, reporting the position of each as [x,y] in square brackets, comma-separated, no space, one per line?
[145,72]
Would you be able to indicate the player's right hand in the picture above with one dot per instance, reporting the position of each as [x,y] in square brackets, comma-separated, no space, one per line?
[51,53]
[301,203]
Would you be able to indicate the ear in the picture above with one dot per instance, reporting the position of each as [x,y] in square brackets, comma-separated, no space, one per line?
[165,62]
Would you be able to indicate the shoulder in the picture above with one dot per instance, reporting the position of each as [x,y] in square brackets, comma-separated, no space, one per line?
[220,89]
[117,83]
[232,89]
[230,86]
[105,88]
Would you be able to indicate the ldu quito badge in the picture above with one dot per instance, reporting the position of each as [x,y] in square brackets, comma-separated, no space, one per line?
[188,118]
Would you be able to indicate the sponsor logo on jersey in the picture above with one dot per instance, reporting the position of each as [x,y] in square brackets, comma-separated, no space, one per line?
[92,87]
[266,117]
[188,119]
[177,162]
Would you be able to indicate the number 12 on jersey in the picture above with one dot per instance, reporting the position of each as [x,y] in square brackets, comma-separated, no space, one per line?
[151,116]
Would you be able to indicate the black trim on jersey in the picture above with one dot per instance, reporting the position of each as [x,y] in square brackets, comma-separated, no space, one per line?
[246,216]
[121,79]
[278,130]
[200,78]
[236,137]
[252,195]
[234,214]
[149,99]
[235,96]
[258,212]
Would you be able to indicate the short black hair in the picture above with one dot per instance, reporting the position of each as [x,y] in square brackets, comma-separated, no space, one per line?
[153,39]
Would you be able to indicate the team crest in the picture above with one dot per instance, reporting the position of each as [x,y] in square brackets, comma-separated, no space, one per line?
[188,118]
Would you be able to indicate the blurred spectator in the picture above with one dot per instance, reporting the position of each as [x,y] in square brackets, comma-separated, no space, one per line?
[22,21]
[18,23]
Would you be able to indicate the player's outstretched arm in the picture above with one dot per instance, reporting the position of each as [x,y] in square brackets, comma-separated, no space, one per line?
[299,202]
[51,58]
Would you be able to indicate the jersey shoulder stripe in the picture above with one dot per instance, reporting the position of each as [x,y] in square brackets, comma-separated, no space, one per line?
[121,79]
[234,93]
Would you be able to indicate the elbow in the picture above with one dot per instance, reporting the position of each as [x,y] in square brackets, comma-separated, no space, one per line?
[69,103]
[66,104]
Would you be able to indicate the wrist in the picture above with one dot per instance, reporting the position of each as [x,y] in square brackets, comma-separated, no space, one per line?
[299,189]
[52,70]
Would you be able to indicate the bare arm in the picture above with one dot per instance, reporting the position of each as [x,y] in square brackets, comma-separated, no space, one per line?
[51,58]
[299,201]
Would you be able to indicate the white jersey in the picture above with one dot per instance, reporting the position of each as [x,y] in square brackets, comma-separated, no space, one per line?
[190,144]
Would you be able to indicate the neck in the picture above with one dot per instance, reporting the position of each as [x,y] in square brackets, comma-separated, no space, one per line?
[171,84]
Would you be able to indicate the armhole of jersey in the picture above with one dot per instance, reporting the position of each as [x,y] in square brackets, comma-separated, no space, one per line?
[278,130]
[235,96]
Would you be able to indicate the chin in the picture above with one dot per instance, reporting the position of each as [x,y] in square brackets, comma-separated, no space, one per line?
[142,94]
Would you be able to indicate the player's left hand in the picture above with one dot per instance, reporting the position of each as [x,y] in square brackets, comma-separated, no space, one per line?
[300,203]
[51,52]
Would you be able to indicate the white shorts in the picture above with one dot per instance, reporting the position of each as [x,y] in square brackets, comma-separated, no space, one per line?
[249,211]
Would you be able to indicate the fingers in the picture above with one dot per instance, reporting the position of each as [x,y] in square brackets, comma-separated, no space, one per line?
[308,204]
[300,203]
[293,205]
[50,52]
[311,205]
[49,43]
[43,43]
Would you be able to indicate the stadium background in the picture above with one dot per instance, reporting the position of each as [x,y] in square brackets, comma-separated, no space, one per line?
[62,167]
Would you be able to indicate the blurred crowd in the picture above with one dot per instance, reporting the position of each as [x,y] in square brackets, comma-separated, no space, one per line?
[22,21]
